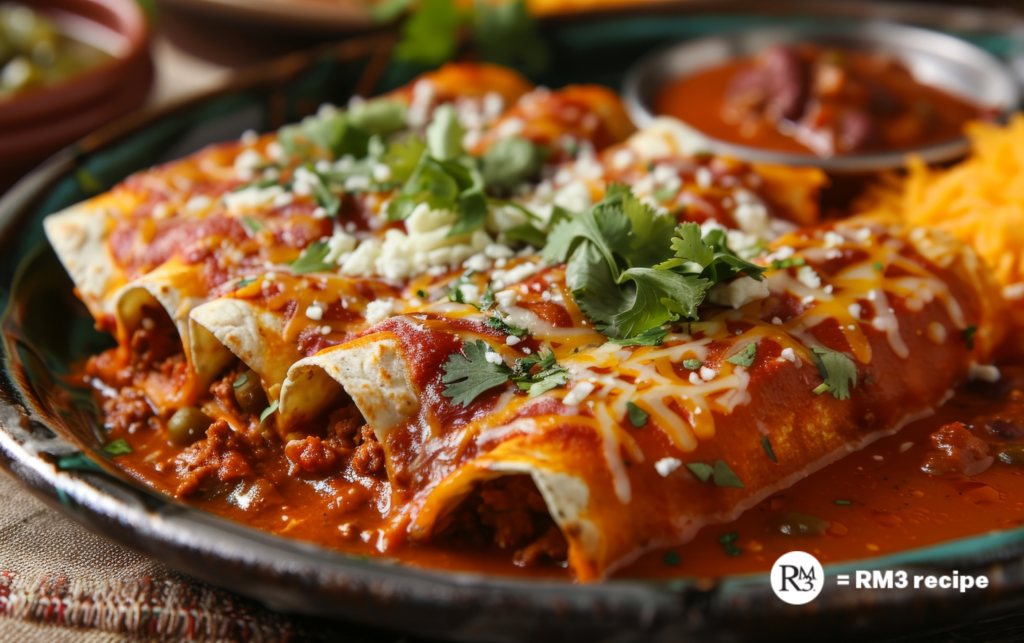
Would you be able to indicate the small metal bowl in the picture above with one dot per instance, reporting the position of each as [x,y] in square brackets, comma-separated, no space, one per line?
[934,58]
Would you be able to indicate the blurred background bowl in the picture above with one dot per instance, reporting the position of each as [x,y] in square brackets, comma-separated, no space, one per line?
[37,123]
[936,59]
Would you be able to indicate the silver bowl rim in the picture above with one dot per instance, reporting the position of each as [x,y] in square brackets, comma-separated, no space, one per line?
[870,32]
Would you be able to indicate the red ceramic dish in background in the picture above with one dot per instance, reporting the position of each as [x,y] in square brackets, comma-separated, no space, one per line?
[37,123]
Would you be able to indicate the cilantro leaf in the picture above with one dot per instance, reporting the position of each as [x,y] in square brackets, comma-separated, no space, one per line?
[637,416]
[838,371]
[252,225]
[527,233]
[548,373]
[430,34]
[727,541]
[720,474]
[510,162]
[117,447]
[692,364]
[326,199]
[240,380]
[968,336]
[650,337]
[444,133]
[402,156]
[502,326]
[507,34]
[724,477]
[471,375]
[745,357]
[659,295]
[312,259]
[767,445]
[701,470]
[429,183]
[379,116]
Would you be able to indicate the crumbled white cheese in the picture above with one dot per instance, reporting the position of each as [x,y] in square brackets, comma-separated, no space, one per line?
[493,358]
[283,200]
[251,198]
[1013,292]
[470,293]
[666,466]
[512,340]
[510,127]
[788,354]
[498,251]
[695,379]
[246,164]
[249,137]
[315,312]
[303,181]
[574,197]
[340,243]
[379,310]
[477,263]
[325,330]
[833,239]
[361,262]
[423,93]
[198,204]
[622,159]
[514,275]
[808,277]
[704,177]
[579,392]
[381,173]
[506,298]
[983,372]
[707,374]
[738,292]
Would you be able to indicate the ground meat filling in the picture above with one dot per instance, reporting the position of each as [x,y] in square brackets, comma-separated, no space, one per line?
[349,440]
[222,456]
[508,512]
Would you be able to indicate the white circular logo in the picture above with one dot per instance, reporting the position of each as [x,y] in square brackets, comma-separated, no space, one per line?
[797,578]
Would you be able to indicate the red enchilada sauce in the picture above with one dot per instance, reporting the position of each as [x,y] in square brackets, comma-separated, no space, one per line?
[827,101]
[952,475]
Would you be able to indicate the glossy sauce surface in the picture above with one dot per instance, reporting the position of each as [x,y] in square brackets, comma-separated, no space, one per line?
[874,502]
[865,103]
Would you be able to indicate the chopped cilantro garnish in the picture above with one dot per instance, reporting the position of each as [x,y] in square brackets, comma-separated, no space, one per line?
[117,447]
[746,356]
[637,416]
[487,298]
[502,326]
[312,259]
[842,502]
[510,162]
[671,559]
[326,199]
[422,294]
[538,373]
[240,380]
[968,336]
[471,375]
[650,337]
[267,411]
[245,281]
[767,445]
[665,194]
[701,470]
[252,225]
[720,473]
[430,34]
[692,364]
[625,278]
[728,543]
[781,264]
[724,477]
[444,134]
[528,234]
[879,267]
[838,371]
